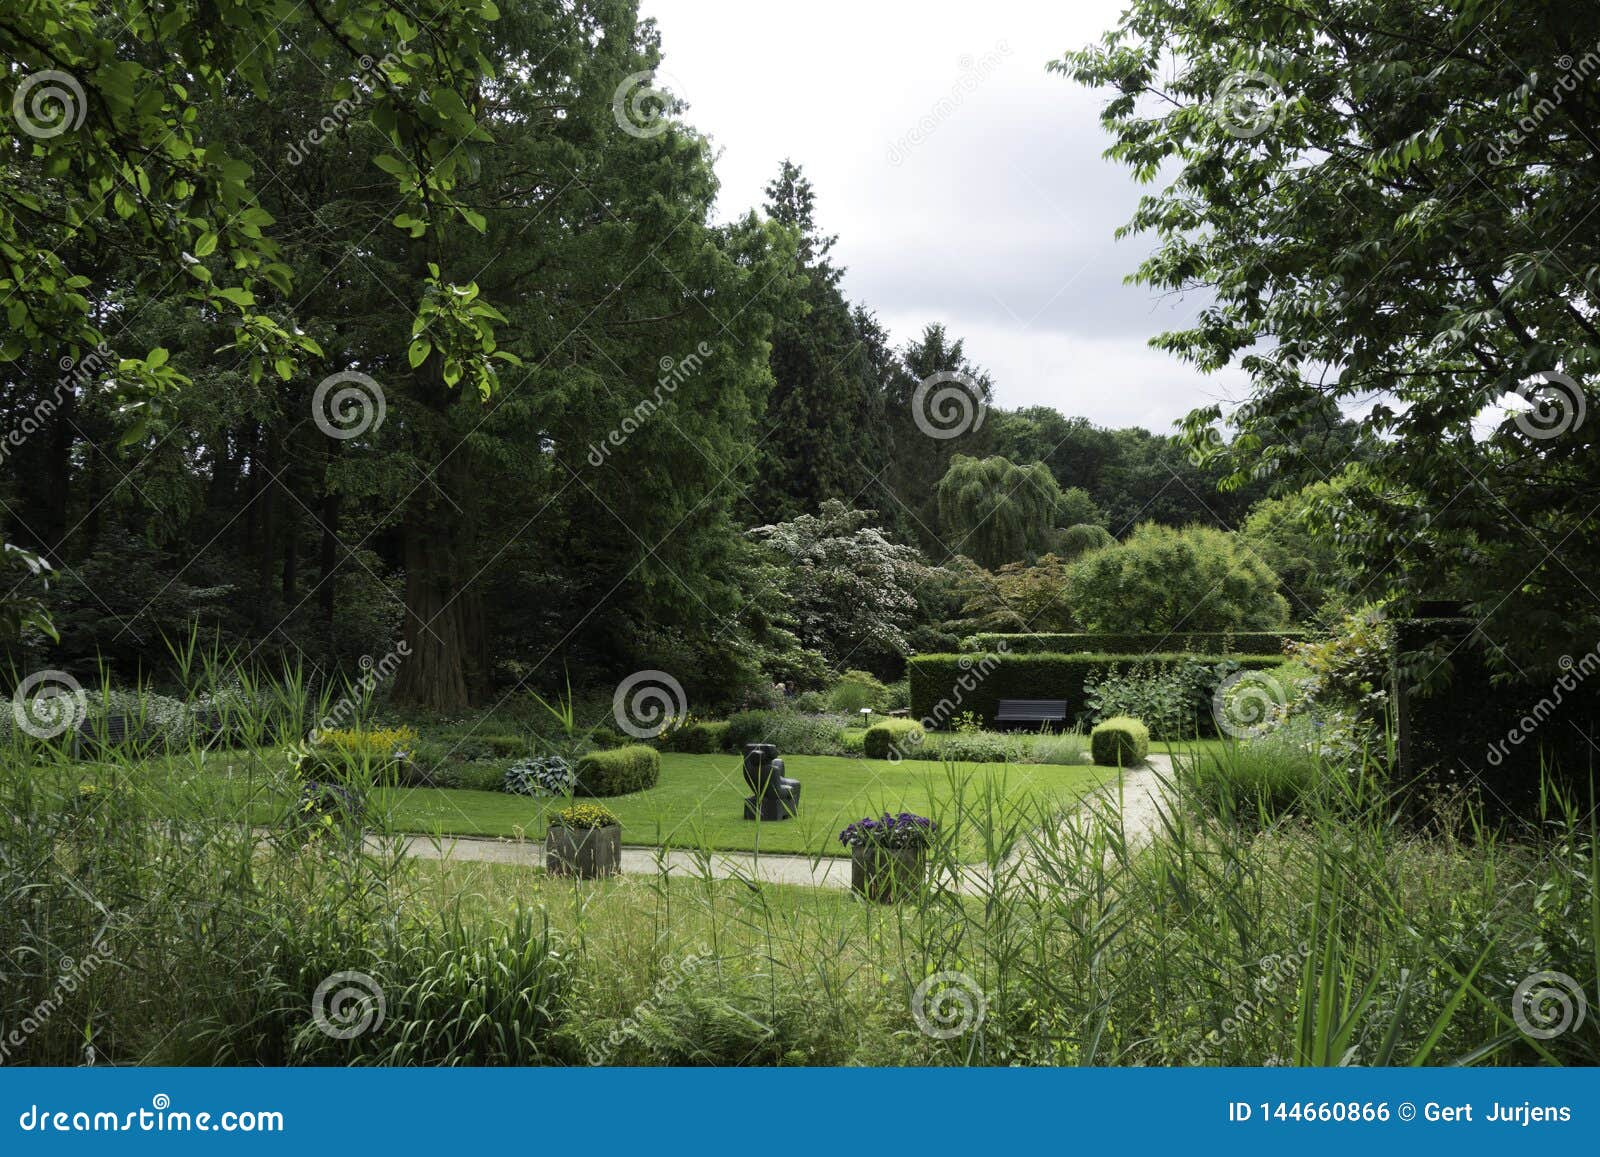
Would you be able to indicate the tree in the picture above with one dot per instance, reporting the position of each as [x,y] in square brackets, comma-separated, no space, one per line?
[1385,198]
[937,406]
[1165,579]
[998,512]
[853,590]
[1018,597]
[1291,535]
[823,427]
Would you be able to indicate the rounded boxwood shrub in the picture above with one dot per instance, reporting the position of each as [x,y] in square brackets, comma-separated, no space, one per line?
[694,738]
[1120,741]
[902,736]
[621,771]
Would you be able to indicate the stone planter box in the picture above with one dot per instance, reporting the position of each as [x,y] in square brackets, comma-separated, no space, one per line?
[885,875]
[583,852]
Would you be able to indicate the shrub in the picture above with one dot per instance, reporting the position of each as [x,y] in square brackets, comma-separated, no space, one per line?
[943,686]
[1261,779]
[1067,747]
[1175,701]
[855,690]
[473,776]
[694,738]
[1163,578]
[1120,742]
[539,775]
[789,731]
[376,745]
[618,772]
[974,747]
[898,697]
[810,702]
[892,735]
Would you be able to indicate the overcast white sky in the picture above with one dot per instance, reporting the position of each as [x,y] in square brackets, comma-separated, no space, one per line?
[998,222]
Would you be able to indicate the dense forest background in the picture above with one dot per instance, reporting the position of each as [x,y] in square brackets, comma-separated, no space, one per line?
[357,338]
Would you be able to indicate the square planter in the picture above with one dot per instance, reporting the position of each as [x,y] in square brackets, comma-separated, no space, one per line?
[885,875]
[587,853]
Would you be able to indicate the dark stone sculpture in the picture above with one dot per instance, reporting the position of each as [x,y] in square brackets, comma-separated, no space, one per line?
[773,795]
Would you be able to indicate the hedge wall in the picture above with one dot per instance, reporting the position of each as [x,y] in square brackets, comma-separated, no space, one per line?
[1497,740]
[978,682]
[1191,642]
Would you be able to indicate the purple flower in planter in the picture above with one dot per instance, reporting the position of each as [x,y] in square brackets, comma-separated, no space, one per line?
[902,831]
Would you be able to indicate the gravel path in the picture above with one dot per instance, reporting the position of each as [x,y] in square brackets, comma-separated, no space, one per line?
[1140,798]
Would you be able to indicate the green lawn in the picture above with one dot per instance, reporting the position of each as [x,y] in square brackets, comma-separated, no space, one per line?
[699,801]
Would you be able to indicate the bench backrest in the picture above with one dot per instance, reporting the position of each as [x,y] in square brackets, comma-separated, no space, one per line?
[1032,709]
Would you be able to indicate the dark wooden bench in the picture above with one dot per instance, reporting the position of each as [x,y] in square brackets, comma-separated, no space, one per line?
[1031,711]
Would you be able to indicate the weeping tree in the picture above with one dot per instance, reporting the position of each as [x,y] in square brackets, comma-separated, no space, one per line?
[995,512]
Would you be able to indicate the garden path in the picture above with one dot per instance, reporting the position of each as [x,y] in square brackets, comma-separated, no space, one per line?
[1141,800]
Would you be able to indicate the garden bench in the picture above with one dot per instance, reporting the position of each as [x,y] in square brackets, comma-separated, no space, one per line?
[97,736]
[1031,711]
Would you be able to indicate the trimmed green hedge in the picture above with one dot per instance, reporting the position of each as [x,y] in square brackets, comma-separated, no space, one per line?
[1184,642]
[696,738]
[977,683]
[892,734]
[1120,741]
[621,771]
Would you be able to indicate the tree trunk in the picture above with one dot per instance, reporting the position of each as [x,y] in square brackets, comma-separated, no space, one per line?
[434,674]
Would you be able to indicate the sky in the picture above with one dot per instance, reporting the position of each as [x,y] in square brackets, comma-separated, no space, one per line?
[965,182]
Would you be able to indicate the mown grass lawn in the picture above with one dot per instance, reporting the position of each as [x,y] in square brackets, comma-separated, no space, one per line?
[698,802]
